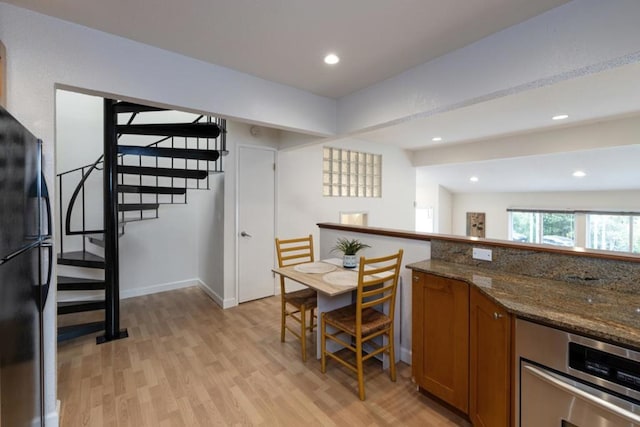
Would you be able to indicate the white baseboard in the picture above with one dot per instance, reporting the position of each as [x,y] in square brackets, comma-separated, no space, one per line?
[229,303]
[405,355]
[51,419]
[154,289]
[224,303]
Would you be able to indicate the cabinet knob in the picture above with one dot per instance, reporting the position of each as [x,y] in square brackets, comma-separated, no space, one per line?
[416,278]
[497,315]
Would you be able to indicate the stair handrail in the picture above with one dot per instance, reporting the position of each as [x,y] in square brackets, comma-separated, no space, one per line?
[223,150]
[93,166]
[74,196]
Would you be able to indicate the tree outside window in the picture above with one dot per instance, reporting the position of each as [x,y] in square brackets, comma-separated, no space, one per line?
[613,232]
[553,228]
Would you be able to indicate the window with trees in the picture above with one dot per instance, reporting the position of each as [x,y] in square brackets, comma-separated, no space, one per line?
[618,232]
[549,227]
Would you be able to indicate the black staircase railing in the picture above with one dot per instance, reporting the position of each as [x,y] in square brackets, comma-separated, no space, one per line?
[200,145]
[212,166]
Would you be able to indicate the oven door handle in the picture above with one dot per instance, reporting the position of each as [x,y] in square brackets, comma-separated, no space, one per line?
[583,394]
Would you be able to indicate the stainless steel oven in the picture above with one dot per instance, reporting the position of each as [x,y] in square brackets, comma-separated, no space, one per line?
[568,380]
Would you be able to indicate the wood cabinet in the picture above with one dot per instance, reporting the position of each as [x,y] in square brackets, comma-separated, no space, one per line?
[490,391]
[440,338]
[462,348]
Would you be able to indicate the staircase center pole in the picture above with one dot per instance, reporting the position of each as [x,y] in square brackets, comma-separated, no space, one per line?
[110,195]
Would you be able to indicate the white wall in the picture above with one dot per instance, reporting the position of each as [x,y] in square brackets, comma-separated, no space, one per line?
[238,134]
[209,208]
[443,216]
[301,204]
[79,129]
[495,206]
[155,255]
[431,195]
[414,251]
[44,53]
[186,244]
[160,254]
[79,132]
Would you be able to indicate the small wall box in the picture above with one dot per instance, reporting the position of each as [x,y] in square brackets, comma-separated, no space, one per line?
[482,254]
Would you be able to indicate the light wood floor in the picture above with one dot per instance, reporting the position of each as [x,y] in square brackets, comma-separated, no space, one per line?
[189,363]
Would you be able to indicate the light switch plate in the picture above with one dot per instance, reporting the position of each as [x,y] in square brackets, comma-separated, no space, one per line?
[482,254]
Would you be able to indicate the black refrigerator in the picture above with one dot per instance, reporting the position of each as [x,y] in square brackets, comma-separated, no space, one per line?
[25,273]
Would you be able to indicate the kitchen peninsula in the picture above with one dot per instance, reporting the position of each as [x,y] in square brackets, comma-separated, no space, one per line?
[461,315]
[589,291]
[611,314]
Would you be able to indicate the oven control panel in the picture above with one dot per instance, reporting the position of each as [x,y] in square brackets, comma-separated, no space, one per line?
[610,367]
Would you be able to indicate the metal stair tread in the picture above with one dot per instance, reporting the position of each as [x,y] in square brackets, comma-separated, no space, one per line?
[128,207]
[68,307]
[73,331]
[168,172]
[66,283]
[188,130]
[149,189]
[178,153]
[81,259]
[130,107]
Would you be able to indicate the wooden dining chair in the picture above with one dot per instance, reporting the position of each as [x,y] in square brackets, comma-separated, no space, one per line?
[364,320]
[296,304]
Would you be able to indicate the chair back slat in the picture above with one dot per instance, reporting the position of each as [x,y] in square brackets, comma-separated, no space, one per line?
[373,303]
[294,251]
[378,283]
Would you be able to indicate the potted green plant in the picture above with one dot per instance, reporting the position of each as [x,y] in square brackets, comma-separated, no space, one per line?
[349,249]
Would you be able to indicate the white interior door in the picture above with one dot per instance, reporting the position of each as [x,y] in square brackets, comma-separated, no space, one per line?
[256,222]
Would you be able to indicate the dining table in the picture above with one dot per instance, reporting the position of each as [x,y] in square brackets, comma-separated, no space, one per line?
[335,286]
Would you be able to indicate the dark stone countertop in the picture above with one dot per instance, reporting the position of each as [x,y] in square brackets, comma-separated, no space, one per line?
[599,312]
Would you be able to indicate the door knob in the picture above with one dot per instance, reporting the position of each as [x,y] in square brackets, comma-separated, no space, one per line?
[245,234]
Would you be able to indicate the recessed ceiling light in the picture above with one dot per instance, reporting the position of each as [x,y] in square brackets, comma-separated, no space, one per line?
[331,59]
[560,117]
[436,138]
[474,179]
[579,174]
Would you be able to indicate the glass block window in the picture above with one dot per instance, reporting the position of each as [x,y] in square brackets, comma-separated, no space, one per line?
[349,173]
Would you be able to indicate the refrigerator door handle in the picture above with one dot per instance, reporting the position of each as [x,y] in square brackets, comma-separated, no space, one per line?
[44,287]
[47,203]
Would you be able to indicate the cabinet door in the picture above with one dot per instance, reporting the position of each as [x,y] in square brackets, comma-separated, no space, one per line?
[440,339]
[490,363]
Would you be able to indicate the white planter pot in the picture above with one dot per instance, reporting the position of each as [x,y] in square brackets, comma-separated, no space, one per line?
[349,261]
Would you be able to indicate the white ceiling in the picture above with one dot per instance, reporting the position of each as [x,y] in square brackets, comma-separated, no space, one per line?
[285,40]
[607,169]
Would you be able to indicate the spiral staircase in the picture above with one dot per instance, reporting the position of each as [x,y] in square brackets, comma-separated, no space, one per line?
[128,183]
